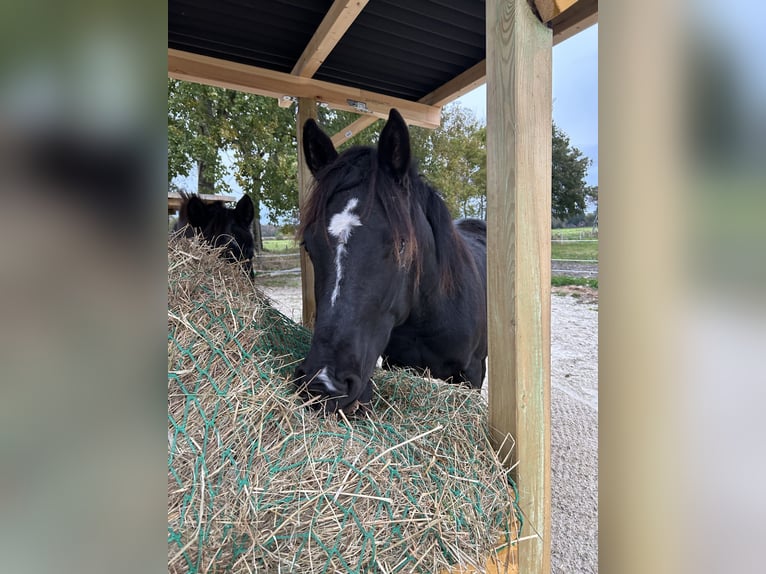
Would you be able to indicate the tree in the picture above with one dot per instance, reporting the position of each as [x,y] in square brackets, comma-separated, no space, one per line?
[262,137]
[453,157]
[568,186]
[225,132]
[592,193]
[196,124]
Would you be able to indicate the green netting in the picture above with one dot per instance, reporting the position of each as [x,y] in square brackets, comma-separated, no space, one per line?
[259,483]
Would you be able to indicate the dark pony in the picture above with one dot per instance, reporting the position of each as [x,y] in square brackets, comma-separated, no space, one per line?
[394,275]
[220,226]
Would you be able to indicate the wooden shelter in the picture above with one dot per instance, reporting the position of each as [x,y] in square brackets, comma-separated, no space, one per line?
[175,200]
[368,56]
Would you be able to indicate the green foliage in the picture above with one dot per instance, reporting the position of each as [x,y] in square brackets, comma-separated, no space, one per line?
[204,122]
[568,186]
[453,157]
[196,124]
[263,137]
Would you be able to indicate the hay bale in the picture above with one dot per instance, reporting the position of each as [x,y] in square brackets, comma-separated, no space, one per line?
[259,483]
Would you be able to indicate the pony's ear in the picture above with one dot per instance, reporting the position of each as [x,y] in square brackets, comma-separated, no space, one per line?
[317,147]
[196,212]
[245,212]
[394,144]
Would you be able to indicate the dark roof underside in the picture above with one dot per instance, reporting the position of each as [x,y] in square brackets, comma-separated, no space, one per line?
[401,48]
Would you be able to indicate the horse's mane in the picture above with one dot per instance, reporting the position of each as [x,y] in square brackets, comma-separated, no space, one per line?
[216,212]
[400,201]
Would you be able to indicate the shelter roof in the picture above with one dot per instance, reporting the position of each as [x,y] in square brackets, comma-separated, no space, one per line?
[359,55]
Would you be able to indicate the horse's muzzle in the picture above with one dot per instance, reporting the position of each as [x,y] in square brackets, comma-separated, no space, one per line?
[331,393]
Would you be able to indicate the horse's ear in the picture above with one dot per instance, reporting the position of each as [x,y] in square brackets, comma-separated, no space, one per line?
[196,212]
[394,144]
[317,147]
[245,212]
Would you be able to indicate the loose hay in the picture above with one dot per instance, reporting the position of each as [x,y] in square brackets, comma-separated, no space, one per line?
[259,483]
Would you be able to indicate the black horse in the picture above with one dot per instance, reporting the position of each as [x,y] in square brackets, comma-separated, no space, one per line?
[220,226]
[394,275]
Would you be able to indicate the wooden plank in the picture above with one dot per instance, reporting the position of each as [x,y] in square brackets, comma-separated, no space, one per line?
[549,9]
[460,85]
[232,75]
[338,19]
[504,561]
[583,14]
[353,129]
[306,109]
[175,200]
[519,103]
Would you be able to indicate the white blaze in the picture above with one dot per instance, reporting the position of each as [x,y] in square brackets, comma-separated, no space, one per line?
[322,376]
[341,226]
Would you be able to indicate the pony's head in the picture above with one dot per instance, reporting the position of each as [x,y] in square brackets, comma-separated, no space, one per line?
[365,227]
[221,226]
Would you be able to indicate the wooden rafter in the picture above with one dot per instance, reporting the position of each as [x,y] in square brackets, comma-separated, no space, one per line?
[334,25]
[224,74]
[352,129]
[460,85]
[549,9]
[583,14]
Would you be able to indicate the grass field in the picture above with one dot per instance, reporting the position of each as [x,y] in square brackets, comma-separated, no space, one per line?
[574,250]
[287,245]
[574,233]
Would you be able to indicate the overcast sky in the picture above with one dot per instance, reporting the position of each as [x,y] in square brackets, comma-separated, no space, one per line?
[575,94]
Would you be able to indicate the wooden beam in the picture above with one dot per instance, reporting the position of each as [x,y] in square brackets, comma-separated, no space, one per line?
[583,14]
[460,85]
[353,129]
[549,9]
[338,19]
[306,109]
[175,200]
[232,75]
[519,103]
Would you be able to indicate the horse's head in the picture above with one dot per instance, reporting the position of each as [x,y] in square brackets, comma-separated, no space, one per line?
[359,229]
[221,226]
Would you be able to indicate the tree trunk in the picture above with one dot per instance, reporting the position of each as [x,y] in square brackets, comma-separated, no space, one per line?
[205,174]
[257,231]
[205,179]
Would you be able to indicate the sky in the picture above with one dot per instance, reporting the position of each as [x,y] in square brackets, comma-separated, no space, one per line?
[575,95]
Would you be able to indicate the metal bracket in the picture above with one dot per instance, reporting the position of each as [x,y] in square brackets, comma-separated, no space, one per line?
[359,106]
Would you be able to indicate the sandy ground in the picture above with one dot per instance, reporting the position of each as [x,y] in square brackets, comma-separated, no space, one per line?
[574,416]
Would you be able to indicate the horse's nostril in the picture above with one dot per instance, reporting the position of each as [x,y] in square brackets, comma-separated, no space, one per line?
[352,385]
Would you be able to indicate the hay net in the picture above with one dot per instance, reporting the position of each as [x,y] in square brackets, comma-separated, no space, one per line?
[259,483]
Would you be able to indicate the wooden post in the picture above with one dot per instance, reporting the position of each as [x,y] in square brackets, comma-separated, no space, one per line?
[519,104]
[306,109]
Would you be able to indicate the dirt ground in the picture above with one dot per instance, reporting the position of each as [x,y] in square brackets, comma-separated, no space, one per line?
[574,419]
